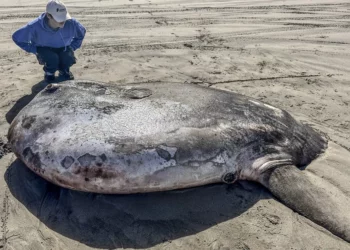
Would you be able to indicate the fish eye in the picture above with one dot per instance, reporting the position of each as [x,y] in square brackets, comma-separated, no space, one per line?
[230,177]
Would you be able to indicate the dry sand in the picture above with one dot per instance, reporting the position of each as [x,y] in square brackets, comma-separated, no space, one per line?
[293,54]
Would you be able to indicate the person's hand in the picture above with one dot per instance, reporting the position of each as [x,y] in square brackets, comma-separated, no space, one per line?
[40,60]
[69,49]
[71,53]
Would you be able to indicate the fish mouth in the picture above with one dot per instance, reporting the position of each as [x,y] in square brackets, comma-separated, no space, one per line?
[260,169]
[256,159]
[261,165]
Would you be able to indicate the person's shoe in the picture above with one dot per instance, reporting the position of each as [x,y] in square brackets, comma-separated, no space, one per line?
[49,78]
[65,76]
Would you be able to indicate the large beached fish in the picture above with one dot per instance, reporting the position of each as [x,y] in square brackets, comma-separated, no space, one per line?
[88,136]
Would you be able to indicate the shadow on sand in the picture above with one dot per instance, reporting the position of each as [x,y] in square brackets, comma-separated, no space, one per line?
[129,221]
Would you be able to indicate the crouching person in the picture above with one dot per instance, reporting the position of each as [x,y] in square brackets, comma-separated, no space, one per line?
[52,37]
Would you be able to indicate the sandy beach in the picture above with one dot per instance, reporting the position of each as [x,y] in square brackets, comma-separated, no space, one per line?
[292,54]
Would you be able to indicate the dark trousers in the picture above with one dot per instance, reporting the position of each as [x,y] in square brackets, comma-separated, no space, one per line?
[55,59]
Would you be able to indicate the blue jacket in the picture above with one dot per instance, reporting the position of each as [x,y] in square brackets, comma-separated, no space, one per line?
[38,33]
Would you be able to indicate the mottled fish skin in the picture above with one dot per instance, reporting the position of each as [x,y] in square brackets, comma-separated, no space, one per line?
[93,137]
